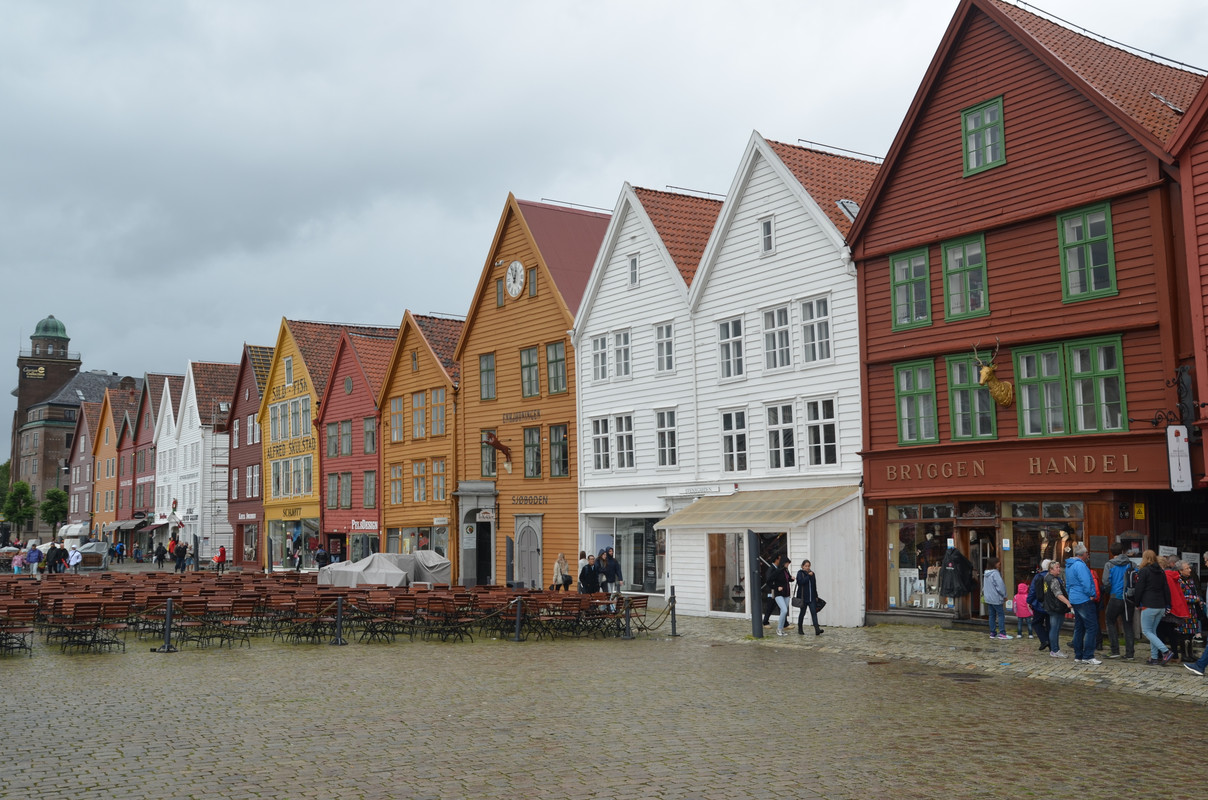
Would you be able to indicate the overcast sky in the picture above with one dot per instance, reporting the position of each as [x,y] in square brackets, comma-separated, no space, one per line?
[177,176]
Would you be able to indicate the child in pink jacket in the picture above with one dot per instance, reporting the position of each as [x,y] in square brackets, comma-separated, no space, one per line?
[1023,611]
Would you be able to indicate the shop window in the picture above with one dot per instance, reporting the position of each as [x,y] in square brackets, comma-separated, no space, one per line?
[919,534]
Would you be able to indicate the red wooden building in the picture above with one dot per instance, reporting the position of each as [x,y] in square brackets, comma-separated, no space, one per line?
[350,516]
[1028,209]
[143,447]
[245,503]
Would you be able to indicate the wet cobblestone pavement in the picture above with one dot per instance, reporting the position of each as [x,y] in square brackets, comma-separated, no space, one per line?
[894,711]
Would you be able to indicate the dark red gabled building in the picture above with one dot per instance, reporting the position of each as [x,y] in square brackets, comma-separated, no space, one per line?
[143,490]
[1025,218]
[245,504]
[349,425]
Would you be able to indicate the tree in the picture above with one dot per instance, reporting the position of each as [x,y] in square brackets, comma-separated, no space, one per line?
[54,508]
[5,477]
[20,506]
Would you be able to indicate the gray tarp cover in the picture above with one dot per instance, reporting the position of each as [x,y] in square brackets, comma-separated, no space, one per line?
[375,570]
[424,566]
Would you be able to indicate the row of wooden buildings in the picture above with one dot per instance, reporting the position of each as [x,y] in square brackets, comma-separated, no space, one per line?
[802,359]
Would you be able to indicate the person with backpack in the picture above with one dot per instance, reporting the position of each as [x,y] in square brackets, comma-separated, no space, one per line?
[1119,575]
[1056,604]
[1040,617]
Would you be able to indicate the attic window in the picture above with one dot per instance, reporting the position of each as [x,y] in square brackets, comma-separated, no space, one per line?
[849,208]
[79,394]
[633,270]
[982,132]
[415,361]
[224,407]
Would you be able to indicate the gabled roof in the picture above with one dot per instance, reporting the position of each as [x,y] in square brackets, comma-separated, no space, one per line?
[568,240]
[1195,116]
[261,358]
[121,401]
[91,414]
[829,178]
[317,342]
[442,335]
[84,387]
[153,389]
[373,353]
[684,222]
[213,387]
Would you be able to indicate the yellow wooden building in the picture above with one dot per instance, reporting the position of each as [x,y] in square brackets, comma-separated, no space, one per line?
[105,461]
[517,479]
[418,405]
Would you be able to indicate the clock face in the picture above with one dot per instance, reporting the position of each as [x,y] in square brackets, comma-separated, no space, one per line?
[515,278]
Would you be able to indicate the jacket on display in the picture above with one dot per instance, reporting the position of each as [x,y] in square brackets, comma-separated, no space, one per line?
[956,577]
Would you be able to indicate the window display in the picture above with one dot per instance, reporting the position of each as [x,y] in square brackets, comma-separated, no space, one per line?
[918,536]
[1038,531]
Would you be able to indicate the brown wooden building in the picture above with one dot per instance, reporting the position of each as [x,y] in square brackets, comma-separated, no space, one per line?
[1027,208]
[245,502]
[517,476]
[143,506]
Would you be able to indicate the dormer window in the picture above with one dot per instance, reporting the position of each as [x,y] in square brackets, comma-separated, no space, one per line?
[983,136]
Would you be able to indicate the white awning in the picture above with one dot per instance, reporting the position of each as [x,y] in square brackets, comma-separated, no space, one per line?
[774,509]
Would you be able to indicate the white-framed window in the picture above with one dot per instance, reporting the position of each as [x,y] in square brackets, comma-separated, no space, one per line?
[664,426]
[438,412]
[256,480]
[767,235]
[235,434]
[288,363]
[782,441]
[623,433]
[633,269]
[729,337]
[369,489]
[664,347]
[253,429]
[274,428]
[234,484]
[777,354]
[734,440]
[247,484]
[599,358]
[345,437]
[600,456]
[396,419]
[621,354]
[345,490]
[815,329]
[821,432]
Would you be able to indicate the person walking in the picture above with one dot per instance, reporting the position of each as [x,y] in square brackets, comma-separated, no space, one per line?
[33,556]
[589,579]
[561,574]
[18,562]
[74,559]
[220,559]
[807,592]
[1187,625]
[161,553]
[1055,605]
[1153,598]
[180,552]
[1023,611]
[779,586]
[994,590]
[1120,610]
[1082,595]
[606,569]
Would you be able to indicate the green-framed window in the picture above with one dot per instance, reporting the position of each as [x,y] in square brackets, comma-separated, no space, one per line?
[982,132]
[1088,256]
[965,278]
[914,392]
[969,404]
[530,380]
[486,376]
[1071,387]
[911,280]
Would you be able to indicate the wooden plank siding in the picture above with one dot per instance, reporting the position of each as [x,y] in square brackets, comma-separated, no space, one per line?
[245,510]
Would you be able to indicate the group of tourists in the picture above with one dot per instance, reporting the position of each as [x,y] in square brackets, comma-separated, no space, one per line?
[57,559]
[598,573]
[1162,594]
[776,590]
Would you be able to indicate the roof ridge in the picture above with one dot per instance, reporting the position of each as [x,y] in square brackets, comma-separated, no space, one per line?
[873,160]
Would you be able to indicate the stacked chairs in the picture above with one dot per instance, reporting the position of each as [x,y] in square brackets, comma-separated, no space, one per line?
[80,626]
[17,627]
[114,623]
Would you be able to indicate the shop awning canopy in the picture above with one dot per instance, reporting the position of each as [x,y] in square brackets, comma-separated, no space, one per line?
[122,525]
[154,526]
[762,510]
[111,526]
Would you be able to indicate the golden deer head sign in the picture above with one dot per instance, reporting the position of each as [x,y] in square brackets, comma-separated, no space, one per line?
[1002,391]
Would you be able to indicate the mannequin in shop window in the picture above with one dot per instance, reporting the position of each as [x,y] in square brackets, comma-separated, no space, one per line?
[1065,545]
[956,575]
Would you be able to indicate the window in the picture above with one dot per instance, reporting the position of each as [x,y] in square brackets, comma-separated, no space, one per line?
[333,490]
[345,490]
[499,292]
[599,358]
[621,354]
[419,415]
[532,452]
[633,270]
[234,487]
[235,434]
[333,440]
[396,484]
[438,479]
[767,240]
[438,412]
[532,282]
[346,437]
[983,135]
[664,425]
[370,489]
[252,425]
[1088,374]
[559,461]
[599,445]
[295,420]
[396,419]
[911,290]
[729,335]
[815,329]
[530,376]
[820,432]
[488,455]
[486,376]
[965,278]
[419,481]
[370,443]
[734,441]
[555,367]
[247,483]
[624,438]
[288,362]
[274,429]
[306,422]
[782,447]
[664,347]
[1088,258]
[415,361]
[776,352]
[256,480]
[914,390]
[970,404]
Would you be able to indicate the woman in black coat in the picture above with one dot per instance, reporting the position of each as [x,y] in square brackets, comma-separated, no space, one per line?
[807,590]
[1152,596]
[589,580]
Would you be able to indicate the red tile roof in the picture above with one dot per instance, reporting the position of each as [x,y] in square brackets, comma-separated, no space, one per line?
[92,416]
[1125,79]
[155,390]
[120,400]
[261,358]
[213,386]
[569,240]
[684,222]
[442,335]
[374,354]
[829,178]
[317,342]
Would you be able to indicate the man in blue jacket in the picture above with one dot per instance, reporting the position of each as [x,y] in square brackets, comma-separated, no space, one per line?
[1081,586]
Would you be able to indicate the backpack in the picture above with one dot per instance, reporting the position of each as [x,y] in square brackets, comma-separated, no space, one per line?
[1130,584]
[1036,594]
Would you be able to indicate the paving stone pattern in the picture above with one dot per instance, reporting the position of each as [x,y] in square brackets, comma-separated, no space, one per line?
[892,711]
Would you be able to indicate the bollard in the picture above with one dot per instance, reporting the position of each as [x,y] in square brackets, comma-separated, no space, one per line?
[671,600]
[628,631]
[167,647]
[339,640]
[519,610]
